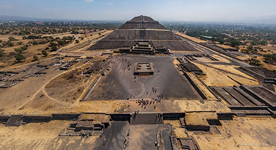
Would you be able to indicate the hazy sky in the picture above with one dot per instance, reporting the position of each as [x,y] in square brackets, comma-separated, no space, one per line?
[161,10]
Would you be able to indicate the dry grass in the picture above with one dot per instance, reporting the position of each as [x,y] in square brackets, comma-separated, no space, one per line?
[197,105]
[60,35]
[245,57]
[41,136]
[175,123]
[19,95]
[6,37]
[220,78]
[199,118]
[190,38]
[269,47]
[56,91]
[266,65]
[180,133]
[241,133]
[225,46]
[221,59]
[36,49]
[202,88]
[67,87]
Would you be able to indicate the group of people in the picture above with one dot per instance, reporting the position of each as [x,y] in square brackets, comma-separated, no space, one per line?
[159,98]
[125,142]
[144,103]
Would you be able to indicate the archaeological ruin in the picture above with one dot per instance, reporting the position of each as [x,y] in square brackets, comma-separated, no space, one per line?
[140,87]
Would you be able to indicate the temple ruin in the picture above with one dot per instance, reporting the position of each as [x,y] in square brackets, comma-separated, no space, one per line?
[143,35]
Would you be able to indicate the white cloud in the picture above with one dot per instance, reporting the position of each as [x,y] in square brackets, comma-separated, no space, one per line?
[89,0]
[109,3]
[5,6]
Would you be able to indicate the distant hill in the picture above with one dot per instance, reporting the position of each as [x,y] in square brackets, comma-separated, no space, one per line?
[249,20]
[21,18]
[260,20]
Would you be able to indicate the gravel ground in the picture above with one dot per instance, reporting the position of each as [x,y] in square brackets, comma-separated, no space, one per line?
[120,83]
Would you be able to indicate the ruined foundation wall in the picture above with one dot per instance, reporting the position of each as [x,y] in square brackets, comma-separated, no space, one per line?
[4,118]
[194,85]
[36,119]
[65,116]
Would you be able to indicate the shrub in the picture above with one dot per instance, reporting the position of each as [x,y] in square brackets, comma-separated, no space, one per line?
[269,58]
[250,47]
[44,53]
[19,57]
[12,53]
[18,50]
[12,39]
[9,43]
[25,47]
[254,62]
[54,48]
[35,42]
[235,43]
[35,57]
[1,53]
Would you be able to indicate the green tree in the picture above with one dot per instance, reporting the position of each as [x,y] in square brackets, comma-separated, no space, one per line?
[18,50]
[263,42]
[77,41]
[53,44]
[75,32]
[255,62]
[221,41]
[250,47]
[12,53]
[12,39]
[35,57]
[1,53]
[44,53]
[25,47]
[254,42]
[61,42]
[19,57]
[235,43]
[9,43]
[54,48]
[35,42]
[269,58]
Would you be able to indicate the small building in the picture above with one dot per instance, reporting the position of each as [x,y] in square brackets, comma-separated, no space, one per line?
[206,37]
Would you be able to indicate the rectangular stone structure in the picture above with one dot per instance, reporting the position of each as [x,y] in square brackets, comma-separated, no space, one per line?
[143,69]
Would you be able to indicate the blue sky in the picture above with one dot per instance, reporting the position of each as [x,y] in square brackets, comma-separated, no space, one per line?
[161,10]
